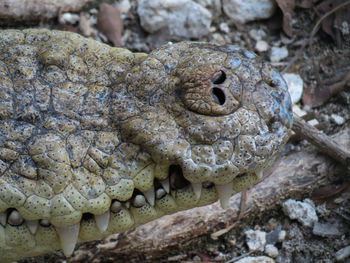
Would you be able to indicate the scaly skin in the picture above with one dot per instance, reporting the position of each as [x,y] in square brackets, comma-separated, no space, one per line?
[90,133]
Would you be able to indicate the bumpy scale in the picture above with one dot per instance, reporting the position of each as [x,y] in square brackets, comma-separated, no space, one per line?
[95,140]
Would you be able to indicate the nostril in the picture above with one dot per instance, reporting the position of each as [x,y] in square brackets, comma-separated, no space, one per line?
[218,96]
[219,78]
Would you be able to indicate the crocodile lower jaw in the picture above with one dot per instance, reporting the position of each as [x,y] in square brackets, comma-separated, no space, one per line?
[166,196]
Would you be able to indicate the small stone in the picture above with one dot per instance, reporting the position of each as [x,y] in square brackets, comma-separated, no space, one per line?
[342,254]
[69,18]
[196,258]
[233,242]
[337,119]
[255,239]
[175,18]
[272,237]
[296,110]
[261,259]
[257,34]
[224,27]
[245,11]
[326,230]
[304,212]
[124,6]
[313,122]
[261,46]
[271,251]
[278,53]
[295,86]
[218,39]
[282,236]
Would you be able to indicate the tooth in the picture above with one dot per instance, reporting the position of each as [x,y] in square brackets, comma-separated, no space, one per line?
[68,237]
[127,204]
[32,225]
[197,188]
[116,207]
[3,218]
[165,184]
[102,221]
[224,192]
[15,218]
[139,201]
[260,173]
[149,194]
[44,222]
[160,193]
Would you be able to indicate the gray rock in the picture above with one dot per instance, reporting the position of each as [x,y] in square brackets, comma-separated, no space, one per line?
[249,10]
[271,251]
[326,230]
[342,254]
[304,212]
[261,46]
[256,239]
[176,18]
[278,53]
[295,86]
[261,259]
[272,237]
[337,119]
[282,235]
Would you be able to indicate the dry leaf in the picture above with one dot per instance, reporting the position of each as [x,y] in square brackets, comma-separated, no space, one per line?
[110,23]
[315,96]
[304,3]
[287,7]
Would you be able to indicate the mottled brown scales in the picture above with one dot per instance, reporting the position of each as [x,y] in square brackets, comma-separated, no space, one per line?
[95,140]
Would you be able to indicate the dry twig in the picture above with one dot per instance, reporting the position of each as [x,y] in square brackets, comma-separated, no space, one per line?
[321,141]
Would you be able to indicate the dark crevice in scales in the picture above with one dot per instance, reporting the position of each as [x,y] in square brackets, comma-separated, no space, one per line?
[177,179]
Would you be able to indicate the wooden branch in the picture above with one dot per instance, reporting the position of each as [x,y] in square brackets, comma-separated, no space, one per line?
[292,176]
[323,142]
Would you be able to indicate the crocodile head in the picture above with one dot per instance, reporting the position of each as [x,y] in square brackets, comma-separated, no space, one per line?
[96,140]
[213,117]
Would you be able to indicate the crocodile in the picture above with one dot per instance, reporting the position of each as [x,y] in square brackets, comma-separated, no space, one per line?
[96,140]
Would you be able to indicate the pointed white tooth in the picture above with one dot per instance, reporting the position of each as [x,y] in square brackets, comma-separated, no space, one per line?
[149,194]
[160,193]
[116,206]
[15,219]
[260,173]
[32,225]
[3,218]
[102,221]
[68,237]
[44,222]
[139,201]
[197,188]
[224,192]
[165,184]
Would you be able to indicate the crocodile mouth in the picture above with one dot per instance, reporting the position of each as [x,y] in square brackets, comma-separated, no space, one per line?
[166,196]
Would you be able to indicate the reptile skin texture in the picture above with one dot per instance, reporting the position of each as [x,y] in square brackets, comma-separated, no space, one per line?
[96,140]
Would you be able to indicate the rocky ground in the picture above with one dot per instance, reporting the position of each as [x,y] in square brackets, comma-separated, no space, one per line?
[318,63]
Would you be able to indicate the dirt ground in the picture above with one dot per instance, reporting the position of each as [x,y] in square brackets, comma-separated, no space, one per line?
[323,66]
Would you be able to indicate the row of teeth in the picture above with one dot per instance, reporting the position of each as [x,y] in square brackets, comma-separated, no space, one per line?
[69,235]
